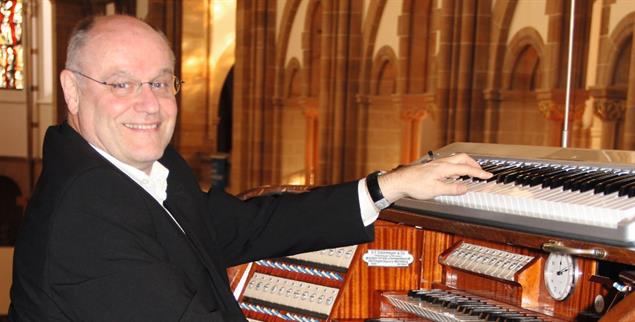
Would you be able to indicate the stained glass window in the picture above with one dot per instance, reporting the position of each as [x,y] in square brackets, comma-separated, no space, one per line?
[11,61]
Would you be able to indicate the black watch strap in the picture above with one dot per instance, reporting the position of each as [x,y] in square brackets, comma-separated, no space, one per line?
[375,191]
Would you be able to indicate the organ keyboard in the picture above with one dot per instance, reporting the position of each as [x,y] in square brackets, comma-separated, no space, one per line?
[502,250]
[577,193]
[457,306]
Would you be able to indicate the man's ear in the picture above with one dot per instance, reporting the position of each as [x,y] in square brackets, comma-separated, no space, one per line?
[70,87]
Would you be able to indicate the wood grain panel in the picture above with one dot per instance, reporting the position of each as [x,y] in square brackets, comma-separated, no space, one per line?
[434,243]
[625,255]
[361,296]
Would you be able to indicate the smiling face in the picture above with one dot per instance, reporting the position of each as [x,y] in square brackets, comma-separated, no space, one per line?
[133,129]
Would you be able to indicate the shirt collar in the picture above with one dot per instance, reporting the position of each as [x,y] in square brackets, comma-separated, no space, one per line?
[155,183]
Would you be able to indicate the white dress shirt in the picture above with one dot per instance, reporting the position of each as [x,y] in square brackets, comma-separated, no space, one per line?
[156,184]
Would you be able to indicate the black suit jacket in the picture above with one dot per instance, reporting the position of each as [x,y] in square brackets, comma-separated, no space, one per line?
[95,246]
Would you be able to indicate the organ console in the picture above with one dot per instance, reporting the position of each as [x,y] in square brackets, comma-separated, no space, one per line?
[549,238]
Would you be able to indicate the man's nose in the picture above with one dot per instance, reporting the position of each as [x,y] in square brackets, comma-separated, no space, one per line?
[147,99]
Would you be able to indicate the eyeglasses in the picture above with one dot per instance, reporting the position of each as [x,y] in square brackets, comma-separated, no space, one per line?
[164,86]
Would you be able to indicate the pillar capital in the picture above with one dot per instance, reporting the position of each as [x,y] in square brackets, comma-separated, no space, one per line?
[609,102]
[551,104]
[415,107]
[414,113]
[609,110]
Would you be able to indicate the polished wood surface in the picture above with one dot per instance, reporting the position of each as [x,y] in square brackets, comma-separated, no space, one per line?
[616,254]
[361,296]
[427,237]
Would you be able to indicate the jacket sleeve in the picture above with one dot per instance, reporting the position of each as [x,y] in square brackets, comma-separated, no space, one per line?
[105,263]
[286,224]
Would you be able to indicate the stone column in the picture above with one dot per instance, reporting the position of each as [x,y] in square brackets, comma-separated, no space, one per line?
[629,117]
[311,114]
[492,105]
[412,113]
[363,105]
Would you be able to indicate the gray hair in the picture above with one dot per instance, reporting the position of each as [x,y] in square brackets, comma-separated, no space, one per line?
[77,41]
[80,36]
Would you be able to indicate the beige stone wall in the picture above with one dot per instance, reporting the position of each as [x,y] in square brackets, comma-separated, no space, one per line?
[493,71]
[453,67]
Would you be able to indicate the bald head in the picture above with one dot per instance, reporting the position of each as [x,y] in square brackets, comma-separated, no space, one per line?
[94,26]
[110,53]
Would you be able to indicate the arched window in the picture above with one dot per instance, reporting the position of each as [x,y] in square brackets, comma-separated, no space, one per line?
[620,76]
[11,56]
[526,72]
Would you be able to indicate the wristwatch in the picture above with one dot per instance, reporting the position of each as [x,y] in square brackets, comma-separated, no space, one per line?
[375,191]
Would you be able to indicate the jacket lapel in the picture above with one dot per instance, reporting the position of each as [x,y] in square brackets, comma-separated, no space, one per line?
[182,206]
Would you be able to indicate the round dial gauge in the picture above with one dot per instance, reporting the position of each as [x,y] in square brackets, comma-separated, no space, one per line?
[559,275]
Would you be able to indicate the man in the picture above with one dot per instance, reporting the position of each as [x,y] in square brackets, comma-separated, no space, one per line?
[117,228]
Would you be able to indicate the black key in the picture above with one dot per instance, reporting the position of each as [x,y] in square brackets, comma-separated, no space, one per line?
[616,185]
[591,183]
[420,294]
[504,168]
[500,177]
[559,181]
[623,179]
[490,166]
[465,308]
[493,315]
[574,184]
[631,190]
[524,319]
[477,311]
[558,177]
[540,179]
[511,177]
[623,191]
[507,316]
[525,178]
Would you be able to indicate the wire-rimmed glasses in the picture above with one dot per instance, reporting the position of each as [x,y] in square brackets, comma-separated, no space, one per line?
[164,86]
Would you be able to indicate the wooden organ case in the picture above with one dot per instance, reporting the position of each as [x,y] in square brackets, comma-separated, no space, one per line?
[489,256]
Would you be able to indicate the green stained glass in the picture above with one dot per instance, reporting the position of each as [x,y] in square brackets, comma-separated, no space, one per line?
[11,50]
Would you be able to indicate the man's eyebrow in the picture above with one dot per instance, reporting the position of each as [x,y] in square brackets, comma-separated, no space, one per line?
[123,73]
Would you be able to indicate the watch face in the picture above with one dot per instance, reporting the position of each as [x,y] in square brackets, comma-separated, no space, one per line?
[559,275]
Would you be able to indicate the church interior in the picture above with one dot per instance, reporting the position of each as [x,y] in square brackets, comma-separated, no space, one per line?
[315,92]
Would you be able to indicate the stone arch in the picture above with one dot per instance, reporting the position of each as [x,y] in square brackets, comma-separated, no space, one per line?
[370,28]
[384,123]
[522,76]
[619,38]
[525,74]
[223,65]
[292,142]
[385,72]
[286,24]
[415,41]
[369,34]
[612,98]
[292,75]
[516,49]
[311,47]
[501,19]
